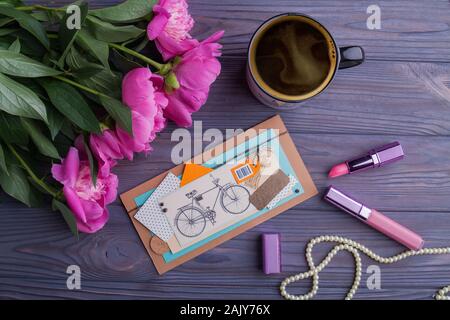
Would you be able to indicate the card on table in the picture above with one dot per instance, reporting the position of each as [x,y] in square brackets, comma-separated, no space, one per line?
[291,164]
[213,202]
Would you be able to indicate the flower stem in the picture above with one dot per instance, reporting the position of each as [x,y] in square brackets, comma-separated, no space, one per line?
[151,62]
[50,190]
[162,68]
[80,86]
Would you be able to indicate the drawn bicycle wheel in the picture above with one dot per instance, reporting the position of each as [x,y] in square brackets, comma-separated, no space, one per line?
[190,222]
[235,199]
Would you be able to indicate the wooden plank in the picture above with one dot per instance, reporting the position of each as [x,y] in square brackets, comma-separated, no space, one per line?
[413,31]
[418,31]
[114,265]
[375,98]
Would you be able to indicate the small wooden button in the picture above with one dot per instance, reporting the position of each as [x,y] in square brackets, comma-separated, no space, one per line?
[158,246]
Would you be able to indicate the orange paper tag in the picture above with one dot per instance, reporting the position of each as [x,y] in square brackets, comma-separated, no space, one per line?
[193,171]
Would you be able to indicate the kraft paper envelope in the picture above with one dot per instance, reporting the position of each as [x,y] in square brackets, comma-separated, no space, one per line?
[309,190]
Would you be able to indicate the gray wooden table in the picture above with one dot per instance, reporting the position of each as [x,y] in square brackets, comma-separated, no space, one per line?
[400,93]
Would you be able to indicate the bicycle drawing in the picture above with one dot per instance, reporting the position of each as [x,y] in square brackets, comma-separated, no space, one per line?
[191,219]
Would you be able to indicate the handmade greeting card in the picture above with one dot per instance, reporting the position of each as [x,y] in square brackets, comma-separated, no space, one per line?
[243,188]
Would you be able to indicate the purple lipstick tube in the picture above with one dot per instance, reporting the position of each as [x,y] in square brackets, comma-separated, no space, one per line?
[377,157]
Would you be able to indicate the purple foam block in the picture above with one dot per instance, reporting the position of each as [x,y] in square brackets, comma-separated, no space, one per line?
[271,253]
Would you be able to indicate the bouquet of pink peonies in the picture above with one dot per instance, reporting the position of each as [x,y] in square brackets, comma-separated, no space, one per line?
[74,82]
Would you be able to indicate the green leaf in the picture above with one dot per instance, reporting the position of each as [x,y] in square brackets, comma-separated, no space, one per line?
[55,121]
[98,49]
[44,145]
[18,100]
[118,112]
[67,130]
[62,142]
[16,184]
[68,216]
[93,165]
[106,81]
[71,104]
[67,36]
[51,17]
[6,31]
[3,161]
[28,23]
[124,63]
[88,72]
[74,59]
[15,46]
[11,130]
[19,65]
[32,84]
[105,31]
[30,46]
[4,44]
[5,21]
[127,11]
[14,3]
[141,45]
[42,16]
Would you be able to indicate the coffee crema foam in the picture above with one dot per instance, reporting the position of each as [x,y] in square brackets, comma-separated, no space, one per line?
[293,57]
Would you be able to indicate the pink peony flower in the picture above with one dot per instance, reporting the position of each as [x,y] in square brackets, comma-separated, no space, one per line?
[87,202]
[142,92]
[170,28]
[105,148]
[196,71]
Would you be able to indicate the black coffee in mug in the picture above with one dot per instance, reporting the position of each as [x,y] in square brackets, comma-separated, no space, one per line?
[292,57]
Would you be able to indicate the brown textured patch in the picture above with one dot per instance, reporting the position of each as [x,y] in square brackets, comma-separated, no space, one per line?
[269,189]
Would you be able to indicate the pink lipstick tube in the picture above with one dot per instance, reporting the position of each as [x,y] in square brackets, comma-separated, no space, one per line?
[374,219]
[377,157]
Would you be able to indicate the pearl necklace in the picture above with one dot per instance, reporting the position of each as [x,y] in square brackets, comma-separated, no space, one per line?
[353,247]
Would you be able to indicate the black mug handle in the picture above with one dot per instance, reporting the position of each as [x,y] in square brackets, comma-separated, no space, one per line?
[351,56]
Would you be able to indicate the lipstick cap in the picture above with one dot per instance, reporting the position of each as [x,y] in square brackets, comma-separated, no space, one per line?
[389,153]
[271,253]
[346,203]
